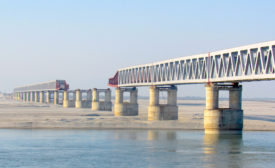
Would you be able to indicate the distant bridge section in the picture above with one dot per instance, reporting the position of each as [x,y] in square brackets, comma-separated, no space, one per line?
[247,63]
[44,86]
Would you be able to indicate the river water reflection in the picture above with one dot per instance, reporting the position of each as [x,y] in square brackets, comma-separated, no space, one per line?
[134,148]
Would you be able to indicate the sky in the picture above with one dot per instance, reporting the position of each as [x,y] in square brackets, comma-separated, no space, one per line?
[86,41]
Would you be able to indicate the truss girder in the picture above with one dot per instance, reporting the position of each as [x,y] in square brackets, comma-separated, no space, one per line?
[246,63]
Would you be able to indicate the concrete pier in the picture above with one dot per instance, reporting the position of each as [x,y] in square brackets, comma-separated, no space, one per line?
[32,97]
[24,97]
[122,108]
[106,104]
[67,102]
[42,97]
[223,120]
[36,98]
[87,103]
[80,102]
[78,98]
[167,111]
[65,99]
[48,97]
[27,97]
[55,97]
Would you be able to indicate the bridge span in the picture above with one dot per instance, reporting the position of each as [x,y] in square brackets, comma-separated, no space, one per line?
[219,70]
[58,93]
[245,63]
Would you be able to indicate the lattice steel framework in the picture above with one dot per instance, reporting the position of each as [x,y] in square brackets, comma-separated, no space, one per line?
[246,63]
[44,86]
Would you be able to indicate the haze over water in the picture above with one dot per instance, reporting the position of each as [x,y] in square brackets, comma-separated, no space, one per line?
[134,148]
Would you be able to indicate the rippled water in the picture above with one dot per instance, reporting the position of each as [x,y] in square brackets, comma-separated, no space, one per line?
[134,148]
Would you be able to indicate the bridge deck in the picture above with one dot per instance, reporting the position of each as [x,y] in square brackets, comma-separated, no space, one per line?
[245,63]
[44,86]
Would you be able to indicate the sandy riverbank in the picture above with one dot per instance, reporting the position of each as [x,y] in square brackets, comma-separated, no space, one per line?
[258,115]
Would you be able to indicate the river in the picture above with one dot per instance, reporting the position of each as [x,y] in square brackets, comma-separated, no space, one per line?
[134,149]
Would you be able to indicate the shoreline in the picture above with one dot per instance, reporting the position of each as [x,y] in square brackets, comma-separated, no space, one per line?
[108,128]
[258,116]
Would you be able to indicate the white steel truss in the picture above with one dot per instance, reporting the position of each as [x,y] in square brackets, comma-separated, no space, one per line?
[246,63]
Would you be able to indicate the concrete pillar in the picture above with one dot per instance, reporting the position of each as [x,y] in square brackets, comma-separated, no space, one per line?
[95,95]
[89,95]
[24,97]
[154,112]
[65,99]
[95,100]
[154,96]
[98,105]
[212,96]
[119,96]
[48,97]
[19,95]
[36,98]
[42,97]
[27,96]
[167,111]
[172,96]
[118,107]
[32,97]
[235,97]
[78,98]
[125,108]
[108,100]
[55,97]
[108,95]
[223,121]
[133,96]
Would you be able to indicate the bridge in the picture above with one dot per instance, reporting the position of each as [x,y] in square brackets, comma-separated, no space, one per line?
[246,63]
[219,70]
[58,93]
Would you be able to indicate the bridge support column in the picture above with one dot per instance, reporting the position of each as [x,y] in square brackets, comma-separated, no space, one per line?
[167,111]
[65,99]
[24,97]
[86,103]
[78,98]
[32,96]
[95,100]
[27,96]
[48,97]
[223,120]
[36,98]
[55,97]
[122,108]
[42,97]
[98,105]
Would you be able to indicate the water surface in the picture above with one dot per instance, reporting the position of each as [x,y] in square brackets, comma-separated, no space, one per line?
[134,148]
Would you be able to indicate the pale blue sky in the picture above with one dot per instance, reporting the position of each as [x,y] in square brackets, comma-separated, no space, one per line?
[85,42]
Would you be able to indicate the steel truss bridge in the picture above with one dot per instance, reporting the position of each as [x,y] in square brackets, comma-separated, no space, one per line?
[246,63]
[44,86]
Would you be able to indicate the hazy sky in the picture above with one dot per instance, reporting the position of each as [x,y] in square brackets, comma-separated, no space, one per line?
[85,42]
